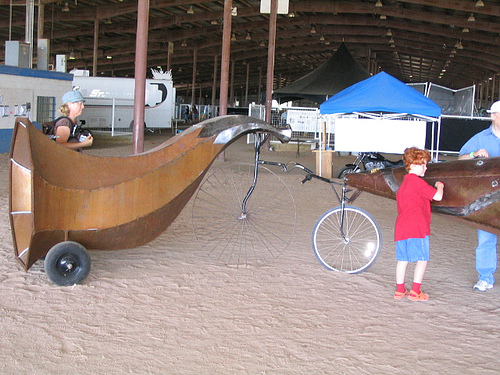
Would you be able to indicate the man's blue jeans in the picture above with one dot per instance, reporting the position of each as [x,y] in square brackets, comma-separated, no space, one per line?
[486,256]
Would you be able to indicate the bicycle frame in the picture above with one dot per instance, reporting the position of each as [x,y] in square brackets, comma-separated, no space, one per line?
[260,138]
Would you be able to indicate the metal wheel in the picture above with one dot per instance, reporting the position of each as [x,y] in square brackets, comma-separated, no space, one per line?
[354,252]
[67,263]
[239,238]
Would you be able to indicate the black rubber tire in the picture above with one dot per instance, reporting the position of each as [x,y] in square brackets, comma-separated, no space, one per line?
[67,263]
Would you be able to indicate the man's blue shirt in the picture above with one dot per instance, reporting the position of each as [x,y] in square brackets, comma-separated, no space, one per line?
[484,139]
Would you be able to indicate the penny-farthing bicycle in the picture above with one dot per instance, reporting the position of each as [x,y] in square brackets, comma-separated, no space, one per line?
[244,214]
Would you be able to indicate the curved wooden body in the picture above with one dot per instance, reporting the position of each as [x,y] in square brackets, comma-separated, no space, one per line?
[471,193]
[57,194]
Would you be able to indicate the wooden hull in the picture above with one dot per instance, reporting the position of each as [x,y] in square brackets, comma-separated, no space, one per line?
[471,193]
[108,203]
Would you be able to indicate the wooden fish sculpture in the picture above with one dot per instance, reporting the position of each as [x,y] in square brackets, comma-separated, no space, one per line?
[471,193]
[57,194]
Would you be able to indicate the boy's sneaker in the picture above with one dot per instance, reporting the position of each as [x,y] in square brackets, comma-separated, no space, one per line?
[482,286]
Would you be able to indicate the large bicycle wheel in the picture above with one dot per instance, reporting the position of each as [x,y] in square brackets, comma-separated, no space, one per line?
[353,251]
[239,238]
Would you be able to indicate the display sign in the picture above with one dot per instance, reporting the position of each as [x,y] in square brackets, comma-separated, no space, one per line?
[378,135]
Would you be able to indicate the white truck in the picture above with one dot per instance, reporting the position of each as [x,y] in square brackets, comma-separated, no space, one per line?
[109,102]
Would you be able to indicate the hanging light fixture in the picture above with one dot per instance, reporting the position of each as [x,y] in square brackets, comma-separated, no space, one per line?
[190,10]
[262,44]
[72,55]
[313,30]
[383,17]
[65,7]
[248,37]
[471,18]
[465,30]
[391,41]
[291,14]
[184,43]
[459,45]
[321,38]
[233,37]
[479,3]
[379,4]
[214,22]
[108,21]
[389,33]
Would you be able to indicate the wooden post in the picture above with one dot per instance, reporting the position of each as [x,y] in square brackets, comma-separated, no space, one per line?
[96,44]
[226,52]
[270,58]
[193,77]
[141,49]
[214,84]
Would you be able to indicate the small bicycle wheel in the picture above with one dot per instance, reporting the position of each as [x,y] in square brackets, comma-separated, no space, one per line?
[353,251]
[235,238]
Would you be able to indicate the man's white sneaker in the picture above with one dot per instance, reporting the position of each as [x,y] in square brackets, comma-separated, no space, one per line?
[482,286]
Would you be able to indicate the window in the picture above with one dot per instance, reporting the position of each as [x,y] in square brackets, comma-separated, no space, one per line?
[45,108]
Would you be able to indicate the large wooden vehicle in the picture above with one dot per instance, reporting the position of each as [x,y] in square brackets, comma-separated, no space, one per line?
[63,202]
[471,193]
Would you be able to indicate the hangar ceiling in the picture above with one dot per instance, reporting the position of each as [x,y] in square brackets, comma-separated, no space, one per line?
[454,43]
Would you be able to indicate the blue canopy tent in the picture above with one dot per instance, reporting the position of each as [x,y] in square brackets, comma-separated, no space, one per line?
[381,93]
[383,96]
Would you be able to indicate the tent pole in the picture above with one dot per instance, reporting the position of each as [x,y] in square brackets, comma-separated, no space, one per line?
[438,136]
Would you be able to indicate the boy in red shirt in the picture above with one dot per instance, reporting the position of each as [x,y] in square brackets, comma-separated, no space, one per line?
[413,224]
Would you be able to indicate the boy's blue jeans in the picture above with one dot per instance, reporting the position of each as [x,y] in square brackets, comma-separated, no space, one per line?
[486,255]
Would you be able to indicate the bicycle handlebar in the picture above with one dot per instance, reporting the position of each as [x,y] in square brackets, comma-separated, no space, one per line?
[310,174]
[292,165]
